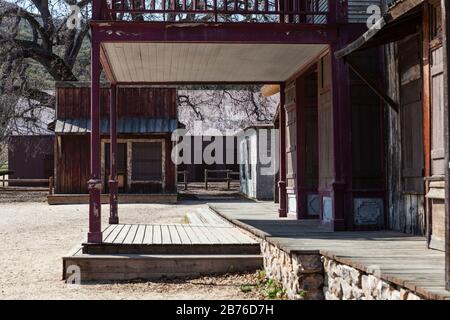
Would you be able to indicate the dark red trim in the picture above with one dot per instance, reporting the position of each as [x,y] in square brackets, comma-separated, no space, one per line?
[113,183]
[215,33]
[282,134]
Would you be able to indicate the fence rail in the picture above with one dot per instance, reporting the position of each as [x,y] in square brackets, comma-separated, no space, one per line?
[185,182]
[254,11]
[228,178]
[5,185]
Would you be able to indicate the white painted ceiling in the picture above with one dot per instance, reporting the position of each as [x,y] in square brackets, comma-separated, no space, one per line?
[211,62]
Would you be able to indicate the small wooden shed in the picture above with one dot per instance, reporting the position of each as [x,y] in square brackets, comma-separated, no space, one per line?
[146,118]
[258,163]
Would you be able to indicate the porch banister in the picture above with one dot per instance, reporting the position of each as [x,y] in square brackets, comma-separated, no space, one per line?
[113,183]
[282,134]
[95,183]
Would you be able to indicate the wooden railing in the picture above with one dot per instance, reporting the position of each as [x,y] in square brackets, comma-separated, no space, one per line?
[25,185]
[220,11]
[185,182]
[228,179]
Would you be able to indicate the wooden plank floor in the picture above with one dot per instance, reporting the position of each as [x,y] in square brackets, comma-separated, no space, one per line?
[179,234]
[401,259]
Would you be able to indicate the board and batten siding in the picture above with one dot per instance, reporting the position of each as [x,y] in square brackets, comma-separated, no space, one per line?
[357,10]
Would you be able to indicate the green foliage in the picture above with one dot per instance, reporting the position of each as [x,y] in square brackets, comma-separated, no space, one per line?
[269,288]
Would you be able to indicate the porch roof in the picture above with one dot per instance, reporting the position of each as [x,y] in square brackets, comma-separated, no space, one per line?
[177,62]
[124,125]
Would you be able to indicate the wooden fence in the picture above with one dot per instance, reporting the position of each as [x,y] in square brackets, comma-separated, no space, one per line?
[227,179]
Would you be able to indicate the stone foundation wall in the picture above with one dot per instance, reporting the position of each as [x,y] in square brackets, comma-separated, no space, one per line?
[315,277]
[343,282]
[300,274]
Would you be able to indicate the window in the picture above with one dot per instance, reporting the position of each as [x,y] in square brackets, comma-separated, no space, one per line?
[146,161]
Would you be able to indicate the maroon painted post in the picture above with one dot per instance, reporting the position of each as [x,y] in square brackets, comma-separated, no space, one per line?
[282,134]
[341,140]
[113,183]
[95,183]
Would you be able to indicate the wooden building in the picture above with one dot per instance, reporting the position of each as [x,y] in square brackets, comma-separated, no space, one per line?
[331,122]
[257,161]
[30,157]
[352,155]
[146,118]
[415,137]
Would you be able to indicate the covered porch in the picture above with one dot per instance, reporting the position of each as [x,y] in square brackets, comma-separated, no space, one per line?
[388,264]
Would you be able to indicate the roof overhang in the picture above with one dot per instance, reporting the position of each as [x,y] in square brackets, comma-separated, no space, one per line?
[400,21]
[189,62]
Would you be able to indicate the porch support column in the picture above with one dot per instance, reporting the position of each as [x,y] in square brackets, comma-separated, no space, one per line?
[282,170]
[113,183]
[95,183]
[341,140]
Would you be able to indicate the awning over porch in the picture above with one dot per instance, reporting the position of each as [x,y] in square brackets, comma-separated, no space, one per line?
[175,62]
[124,125]
[400,21]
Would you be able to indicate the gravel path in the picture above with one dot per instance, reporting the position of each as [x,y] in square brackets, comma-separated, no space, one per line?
[34,236]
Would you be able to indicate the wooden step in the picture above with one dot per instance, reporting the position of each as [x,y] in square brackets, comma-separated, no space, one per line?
[197,249]
[151,267]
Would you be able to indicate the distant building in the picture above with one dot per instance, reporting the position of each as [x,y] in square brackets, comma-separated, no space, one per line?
[30,157]
[256,173]
[147,116]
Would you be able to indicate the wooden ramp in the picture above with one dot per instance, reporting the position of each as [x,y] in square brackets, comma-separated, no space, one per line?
[209,244]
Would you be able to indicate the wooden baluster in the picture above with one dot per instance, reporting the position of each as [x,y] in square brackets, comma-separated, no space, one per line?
[206,179]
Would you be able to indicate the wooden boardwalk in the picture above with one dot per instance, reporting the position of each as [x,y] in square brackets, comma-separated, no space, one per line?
[167,234]
[401,259]
[208,244]
[207,233]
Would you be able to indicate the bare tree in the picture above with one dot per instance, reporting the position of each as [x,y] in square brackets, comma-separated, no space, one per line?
[226,109]
[36,49]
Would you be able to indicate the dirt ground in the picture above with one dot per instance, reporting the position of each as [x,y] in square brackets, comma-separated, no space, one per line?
[34,236]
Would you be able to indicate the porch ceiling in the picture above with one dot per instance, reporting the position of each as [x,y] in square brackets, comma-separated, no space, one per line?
[132,62]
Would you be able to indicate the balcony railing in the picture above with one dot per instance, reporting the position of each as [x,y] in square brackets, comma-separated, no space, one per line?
[220,11]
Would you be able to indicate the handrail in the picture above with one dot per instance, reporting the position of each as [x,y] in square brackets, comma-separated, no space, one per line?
[215,11]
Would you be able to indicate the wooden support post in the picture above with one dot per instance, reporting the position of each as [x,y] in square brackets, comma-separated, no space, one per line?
[282,168]
[341,115]
[50,186]
[228,180]
[446,42]
[185,180]
[113,183]
[206,179]
[95,183]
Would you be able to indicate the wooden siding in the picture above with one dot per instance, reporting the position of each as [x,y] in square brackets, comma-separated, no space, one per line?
[409,57]
[406,211]
[325,114]
[72,164]
[73,102]
[30,157]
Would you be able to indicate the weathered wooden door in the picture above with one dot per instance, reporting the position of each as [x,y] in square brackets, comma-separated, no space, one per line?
[412,146]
